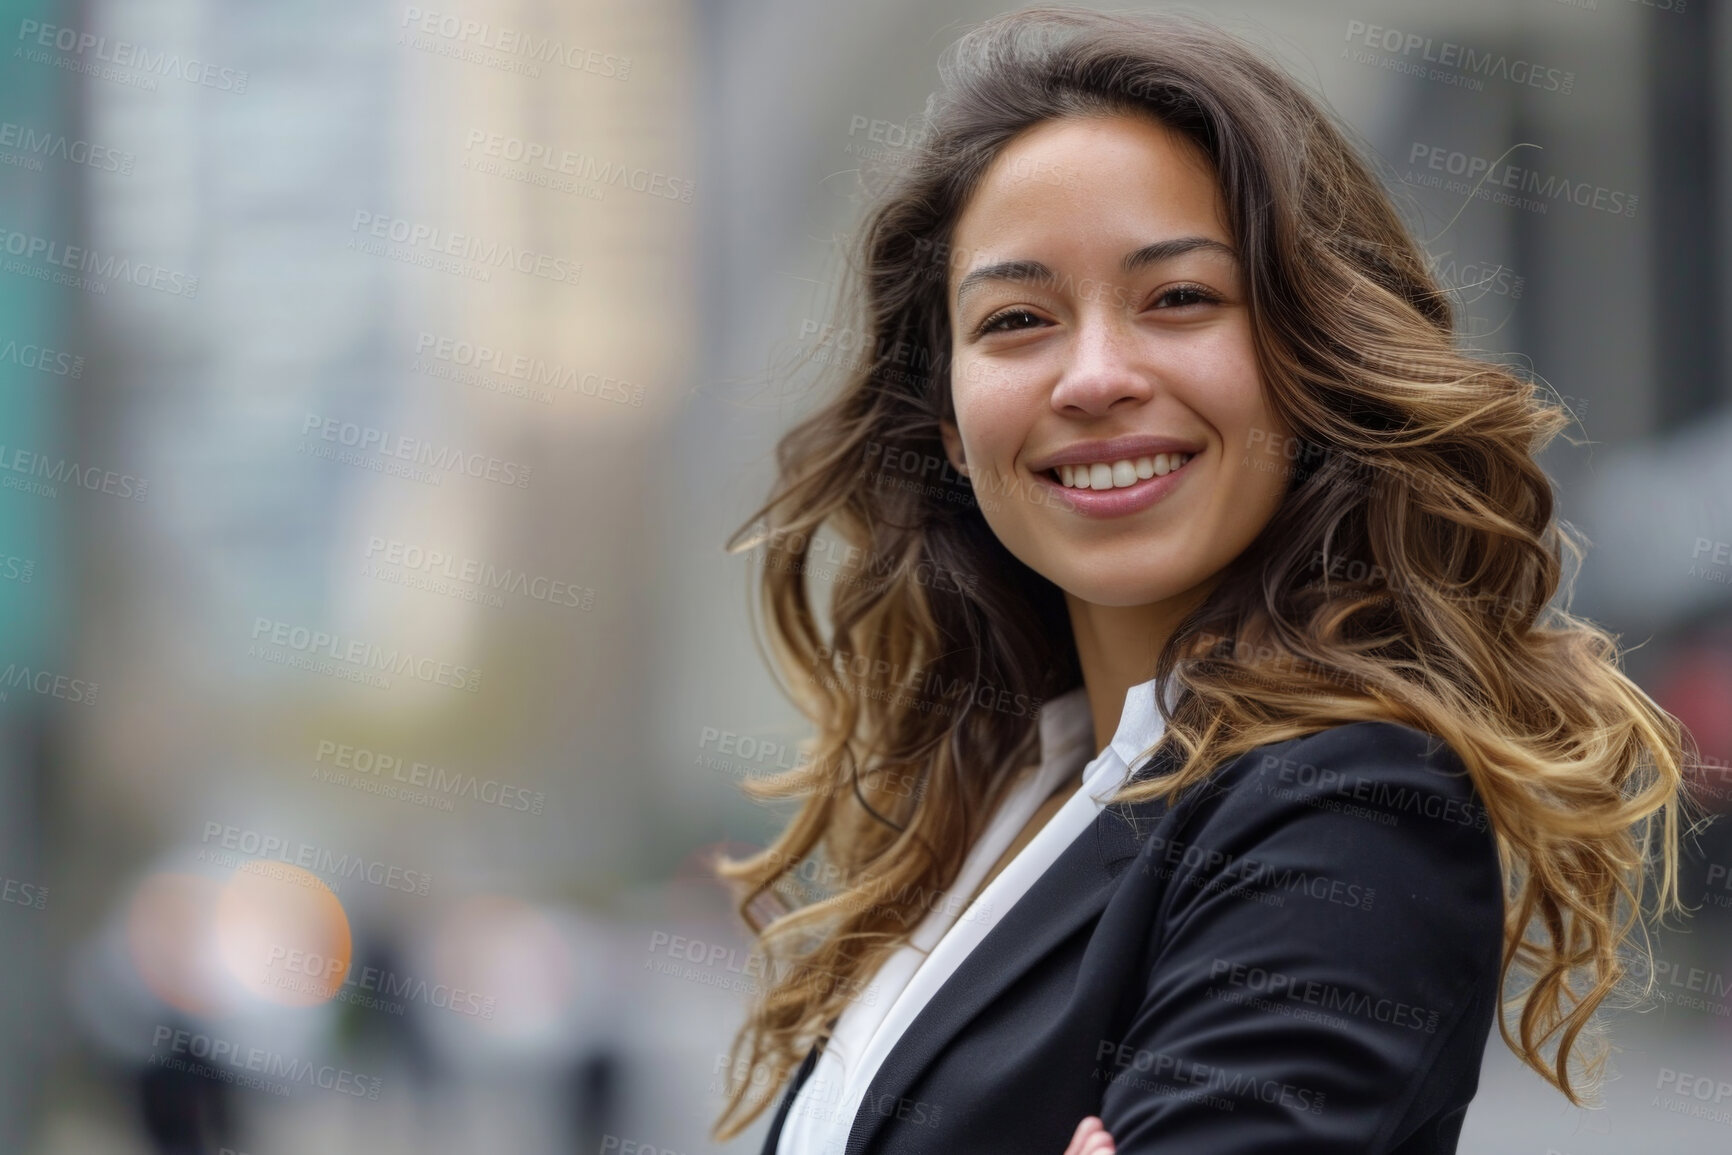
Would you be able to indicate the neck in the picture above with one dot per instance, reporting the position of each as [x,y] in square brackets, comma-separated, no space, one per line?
[1117,647]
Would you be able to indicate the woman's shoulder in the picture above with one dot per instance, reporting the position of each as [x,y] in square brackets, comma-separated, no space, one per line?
[1369,810]
[1380,771]
[1328,908]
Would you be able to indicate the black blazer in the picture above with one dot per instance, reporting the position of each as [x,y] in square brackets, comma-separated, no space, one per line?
[1300,956]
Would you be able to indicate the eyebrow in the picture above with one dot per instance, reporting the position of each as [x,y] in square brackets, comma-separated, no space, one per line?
[1026,270]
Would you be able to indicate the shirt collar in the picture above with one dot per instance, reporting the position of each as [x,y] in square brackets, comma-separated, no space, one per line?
[1067,727]
[1140,722]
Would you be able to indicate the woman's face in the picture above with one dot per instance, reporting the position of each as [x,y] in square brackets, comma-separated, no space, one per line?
[1098,320]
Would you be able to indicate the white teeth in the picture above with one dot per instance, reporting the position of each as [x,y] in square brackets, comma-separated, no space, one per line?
[1118,474]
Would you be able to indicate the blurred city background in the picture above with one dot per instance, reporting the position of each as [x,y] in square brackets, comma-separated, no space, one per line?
[379,383]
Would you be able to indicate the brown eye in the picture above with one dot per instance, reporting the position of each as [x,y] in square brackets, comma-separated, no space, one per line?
[996,322]
[1187,295]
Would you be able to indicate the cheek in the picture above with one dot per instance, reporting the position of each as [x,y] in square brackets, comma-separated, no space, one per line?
[1230,395]
[991,410]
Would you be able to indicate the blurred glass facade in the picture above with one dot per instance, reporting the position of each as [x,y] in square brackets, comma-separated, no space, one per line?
[379,384]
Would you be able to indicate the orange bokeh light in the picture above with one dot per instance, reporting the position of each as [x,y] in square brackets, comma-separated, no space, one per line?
[282,934]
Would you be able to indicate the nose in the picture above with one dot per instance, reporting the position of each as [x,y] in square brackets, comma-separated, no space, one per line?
[1104,368]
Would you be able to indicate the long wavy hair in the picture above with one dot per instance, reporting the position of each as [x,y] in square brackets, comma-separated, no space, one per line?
[1408,575]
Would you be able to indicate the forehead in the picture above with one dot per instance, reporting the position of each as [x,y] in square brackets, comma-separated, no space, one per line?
[1118,173]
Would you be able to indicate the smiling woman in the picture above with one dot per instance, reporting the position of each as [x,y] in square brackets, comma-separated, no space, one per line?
[1104,330]
[1314,772]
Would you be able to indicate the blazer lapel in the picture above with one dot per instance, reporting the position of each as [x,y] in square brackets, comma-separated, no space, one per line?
[773,1137]
[1072,891]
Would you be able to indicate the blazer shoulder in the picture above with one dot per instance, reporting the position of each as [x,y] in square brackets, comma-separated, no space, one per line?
[1348,869]
[1389,806]
[1362,769]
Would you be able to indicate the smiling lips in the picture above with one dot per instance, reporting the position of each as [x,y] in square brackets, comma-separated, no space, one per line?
[1102,489]
[1117,474]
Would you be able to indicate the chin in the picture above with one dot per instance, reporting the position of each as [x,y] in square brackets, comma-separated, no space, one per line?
[1127,590]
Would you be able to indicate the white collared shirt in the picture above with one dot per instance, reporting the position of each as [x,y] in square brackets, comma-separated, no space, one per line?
[822,1114]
